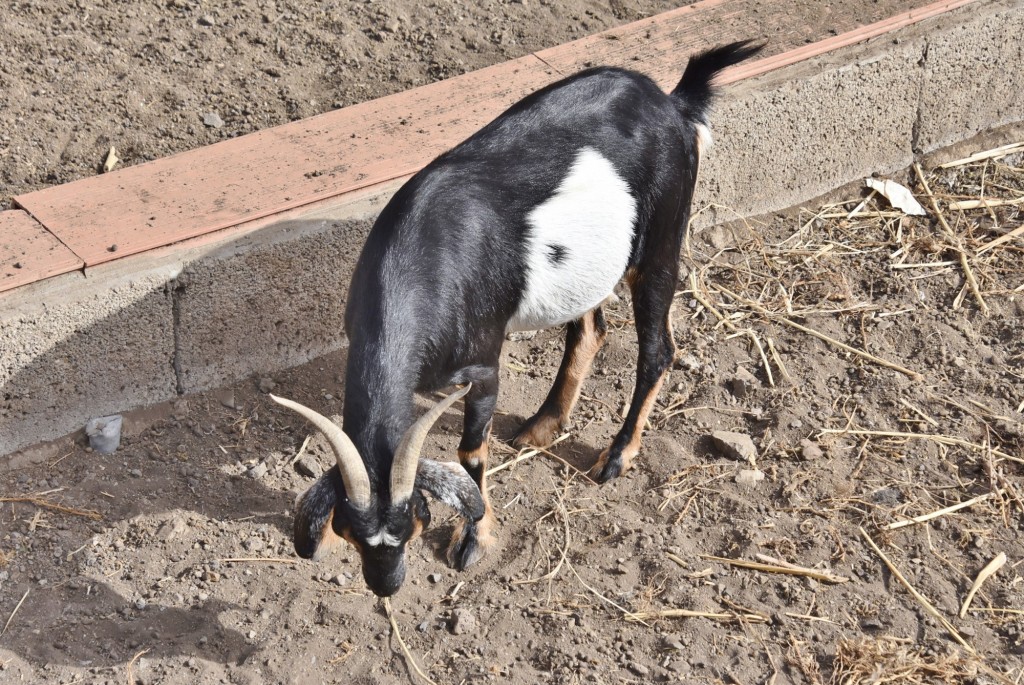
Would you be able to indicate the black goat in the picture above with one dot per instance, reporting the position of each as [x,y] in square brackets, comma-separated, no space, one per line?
[529,223]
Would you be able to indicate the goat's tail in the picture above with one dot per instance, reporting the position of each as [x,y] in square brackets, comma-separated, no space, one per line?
[695,89]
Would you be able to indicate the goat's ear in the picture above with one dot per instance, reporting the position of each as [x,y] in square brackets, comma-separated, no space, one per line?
[450,483]
[316,527]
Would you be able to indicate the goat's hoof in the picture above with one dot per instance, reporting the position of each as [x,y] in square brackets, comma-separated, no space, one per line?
[469,542]
[608,466]
[540,430]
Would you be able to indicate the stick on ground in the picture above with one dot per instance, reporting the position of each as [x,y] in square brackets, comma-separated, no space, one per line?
[985,573]
[408,654]
[922,600]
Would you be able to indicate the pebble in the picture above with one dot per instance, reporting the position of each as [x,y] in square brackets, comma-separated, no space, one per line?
[136,473]
[810,451]
[213,120]
[639,669]
[171,528]
[423,627]
[207,20]
[742,383]
[253,544]
[140,604]
[267,385]
[203,596]
[736,445]
[463,621]
[340,579]
[750,477]
[258,471]
[307,465]
[435,577]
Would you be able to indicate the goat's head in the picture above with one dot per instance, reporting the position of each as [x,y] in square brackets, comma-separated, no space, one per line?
[379,524]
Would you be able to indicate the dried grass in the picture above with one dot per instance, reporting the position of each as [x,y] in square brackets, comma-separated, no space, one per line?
[888,660]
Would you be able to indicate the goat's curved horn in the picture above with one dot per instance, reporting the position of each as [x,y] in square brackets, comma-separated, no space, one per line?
[353,472]
[407,456]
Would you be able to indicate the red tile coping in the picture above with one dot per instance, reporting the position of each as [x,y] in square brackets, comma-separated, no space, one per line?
[30,253]
[278,169]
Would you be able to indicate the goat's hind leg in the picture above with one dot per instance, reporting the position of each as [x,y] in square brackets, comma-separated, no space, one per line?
[583,339]
[472,538]
[652,302]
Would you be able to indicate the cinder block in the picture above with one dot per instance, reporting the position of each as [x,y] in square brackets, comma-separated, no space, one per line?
[273,300]
[792,135]
[74,347]
[974,75]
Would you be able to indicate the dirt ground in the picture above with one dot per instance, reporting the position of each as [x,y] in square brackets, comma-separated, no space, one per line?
[172,561]
[118,569]
[162,76]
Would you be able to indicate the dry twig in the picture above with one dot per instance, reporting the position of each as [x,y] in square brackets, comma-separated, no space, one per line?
[922,600]
[405,649]
[777,566]
[990,569]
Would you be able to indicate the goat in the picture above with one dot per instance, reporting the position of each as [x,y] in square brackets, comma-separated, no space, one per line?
[530,223]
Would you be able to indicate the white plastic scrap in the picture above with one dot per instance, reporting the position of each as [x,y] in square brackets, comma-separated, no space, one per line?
[897,195]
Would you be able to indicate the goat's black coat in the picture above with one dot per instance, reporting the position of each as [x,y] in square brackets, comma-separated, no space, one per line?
[445,266]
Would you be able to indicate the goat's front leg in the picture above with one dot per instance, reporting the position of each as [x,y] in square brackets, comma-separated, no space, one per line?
[471,538]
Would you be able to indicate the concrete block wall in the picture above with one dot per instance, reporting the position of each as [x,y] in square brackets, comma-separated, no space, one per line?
[183,319]
[800,132]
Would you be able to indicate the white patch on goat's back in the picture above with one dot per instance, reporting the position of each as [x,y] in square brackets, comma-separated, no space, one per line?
[578,244]
[704,139]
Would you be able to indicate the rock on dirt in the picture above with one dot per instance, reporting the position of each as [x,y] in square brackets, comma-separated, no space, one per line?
[463,622]
[213,120]
[810,451]
[735,445]
[308,466]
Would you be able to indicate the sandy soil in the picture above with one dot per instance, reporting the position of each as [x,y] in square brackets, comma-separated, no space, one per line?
[161,76]
[133,580]
[118,568]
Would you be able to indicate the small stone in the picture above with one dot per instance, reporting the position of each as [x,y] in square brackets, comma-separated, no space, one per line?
[423,627]
[258,470]
[135,472]
[435,577]
[207,20]
[252,635]
[341,579]
[810,451]
[463,622]
[968,631]
[750,477]
[639,669]
[203,596]
[308,466]
[253,544]
[170,528]
[736,445]
[742,383]
[267,385]
[690,362]
[140,604]
[212,120]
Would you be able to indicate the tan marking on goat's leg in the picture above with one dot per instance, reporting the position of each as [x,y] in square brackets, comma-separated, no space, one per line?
[544,427]
[632,448]
[475,462]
